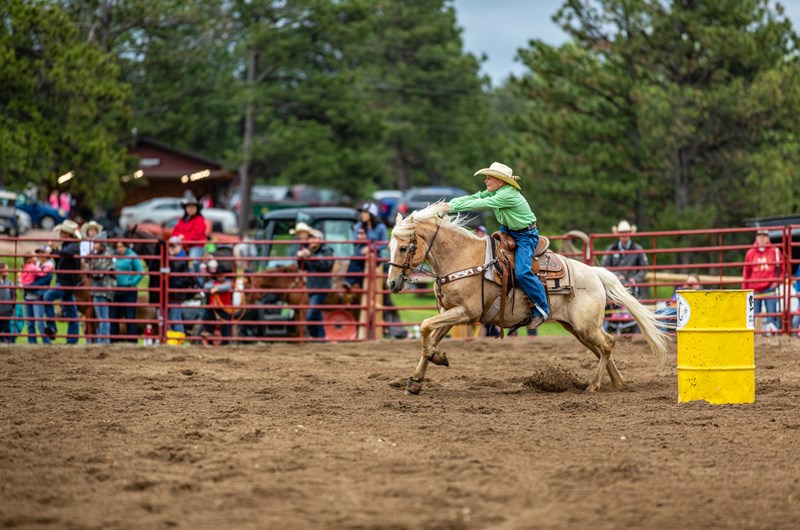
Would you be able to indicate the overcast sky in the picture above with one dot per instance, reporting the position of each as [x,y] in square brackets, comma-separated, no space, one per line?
[499,28]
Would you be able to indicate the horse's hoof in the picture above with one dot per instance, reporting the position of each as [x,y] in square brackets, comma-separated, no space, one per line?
[439,358]
[413,387]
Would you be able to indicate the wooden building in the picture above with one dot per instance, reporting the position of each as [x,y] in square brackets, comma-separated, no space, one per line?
[168,172]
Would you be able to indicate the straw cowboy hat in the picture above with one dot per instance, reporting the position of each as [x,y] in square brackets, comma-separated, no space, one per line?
[624,227]
[502,172]
[68,226]
[91,224]
[303,227]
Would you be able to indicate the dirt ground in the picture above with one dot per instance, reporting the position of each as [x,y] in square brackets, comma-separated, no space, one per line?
[322,436]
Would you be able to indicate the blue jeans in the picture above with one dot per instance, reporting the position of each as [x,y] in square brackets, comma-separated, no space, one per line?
[769,306]
[526,241]
[101,313]
[68,310]
[175,317]
[34,316]
[315,314]
[125,314]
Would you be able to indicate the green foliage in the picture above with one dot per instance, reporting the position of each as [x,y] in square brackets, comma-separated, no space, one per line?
[64,108]
[674,115]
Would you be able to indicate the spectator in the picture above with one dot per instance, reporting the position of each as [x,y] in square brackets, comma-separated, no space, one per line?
[796,318]
[179,280]
[369,229]
[625,254]
[192,229]
[129,274]
[103,283]
[67,267]
[481,232]
[35,274]
[762,270]
[88,232]
[219,290]
[8,305]
[316,258]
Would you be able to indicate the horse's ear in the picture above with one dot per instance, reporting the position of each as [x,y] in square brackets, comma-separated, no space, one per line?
[398,218]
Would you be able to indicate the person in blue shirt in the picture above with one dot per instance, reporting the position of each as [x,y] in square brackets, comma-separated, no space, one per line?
[369,229]
[129,273]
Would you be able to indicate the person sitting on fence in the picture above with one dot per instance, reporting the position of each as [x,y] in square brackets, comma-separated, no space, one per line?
[129,273]
[218,287]
[191,228]
[8,305]
[314,257]
[34,276]
[68,277]
[369,229]
[103,283]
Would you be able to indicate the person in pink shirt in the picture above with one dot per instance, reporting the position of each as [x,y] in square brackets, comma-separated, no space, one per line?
[762,270]
[34,277]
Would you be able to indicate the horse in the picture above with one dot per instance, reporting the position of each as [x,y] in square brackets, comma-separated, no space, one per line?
[290,285]
[444,242]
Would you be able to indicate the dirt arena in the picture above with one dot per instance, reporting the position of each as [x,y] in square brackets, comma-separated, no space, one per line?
[307,436]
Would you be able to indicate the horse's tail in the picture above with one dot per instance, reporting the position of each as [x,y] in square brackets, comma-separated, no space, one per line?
[650,325]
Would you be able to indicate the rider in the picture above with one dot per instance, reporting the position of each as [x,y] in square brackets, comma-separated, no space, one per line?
[517,220]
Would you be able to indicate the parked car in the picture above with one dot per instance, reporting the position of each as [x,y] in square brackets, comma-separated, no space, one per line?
[386,201]
[162,209]
[269,198]
[419,198]
[215,230]
[41,214]
[24,222]
[9,215]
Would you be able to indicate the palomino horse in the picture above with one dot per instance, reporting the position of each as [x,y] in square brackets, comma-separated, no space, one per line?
[430,235]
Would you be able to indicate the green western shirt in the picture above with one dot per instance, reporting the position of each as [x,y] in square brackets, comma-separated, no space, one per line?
[510,207]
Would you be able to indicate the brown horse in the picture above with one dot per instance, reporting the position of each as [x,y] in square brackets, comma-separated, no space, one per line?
[284,285]
[430,235]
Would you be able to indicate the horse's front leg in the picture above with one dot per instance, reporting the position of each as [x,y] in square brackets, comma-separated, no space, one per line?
[433,330]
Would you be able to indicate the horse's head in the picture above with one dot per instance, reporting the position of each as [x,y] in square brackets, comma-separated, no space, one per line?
[409,246]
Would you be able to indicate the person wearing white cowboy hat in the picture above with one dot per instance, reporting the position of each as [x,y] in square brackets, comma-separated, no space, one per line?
[192,229]
[88,232]
[503,196]
[629,258]
[68,266]
[316,258]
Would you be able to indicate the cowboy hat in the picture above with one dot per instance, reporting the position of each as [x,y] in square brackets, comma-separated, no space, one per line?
[624,227]
[502,172]
[303,227]
[189,198]
[68,226]
[91,224]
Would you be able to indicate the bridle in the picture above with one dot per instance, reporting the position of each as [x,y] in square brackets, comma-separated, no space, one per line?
[411,251]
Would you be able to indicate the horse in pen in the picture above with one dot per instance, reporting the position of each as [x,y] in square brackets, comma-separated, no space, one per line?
[464,294]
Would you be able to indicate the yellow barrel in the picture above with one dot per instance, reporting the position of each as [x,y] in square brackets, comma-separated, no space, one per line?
[716,355]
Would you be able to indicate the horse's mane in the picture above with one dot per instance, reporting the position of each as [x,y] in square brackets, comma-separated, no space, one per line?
[405,227]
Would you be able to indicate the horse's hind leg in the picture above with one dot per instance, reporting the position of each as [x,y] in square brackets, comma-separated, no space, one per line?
[601,344]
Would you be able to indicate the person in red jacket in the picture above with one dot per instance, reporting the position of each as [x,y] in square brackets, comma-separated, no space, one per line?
[191,228]
[762,270]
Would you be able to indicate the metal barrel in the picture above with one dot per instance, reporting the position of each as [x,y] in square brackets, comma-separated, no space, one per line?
[716,354]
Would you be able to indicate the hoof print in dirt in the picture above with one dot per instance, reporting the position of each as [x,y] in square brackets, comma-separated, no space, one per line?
[554,379]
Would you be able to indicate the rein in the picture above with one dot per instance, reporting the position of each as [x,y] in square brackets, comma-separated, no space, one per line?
[412,250]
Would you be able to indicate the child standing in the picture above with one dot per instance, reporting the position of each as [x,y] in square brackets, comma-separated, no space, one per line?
[103,283]
[517,220]
[31,277]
